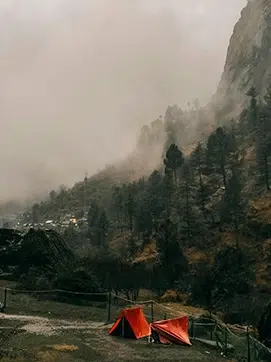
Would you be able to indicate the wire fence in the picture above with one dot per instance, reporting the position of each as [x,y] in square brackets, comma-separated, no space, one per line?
[240,344]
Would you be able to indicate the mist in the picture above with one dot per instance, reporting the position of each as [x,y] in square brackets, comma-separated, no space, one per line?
[79,78]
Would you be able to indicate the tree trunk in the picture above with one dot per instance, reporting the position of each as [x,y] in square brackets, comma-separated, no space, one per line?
[187,207]
[175,176]
[266,172]
[130,222]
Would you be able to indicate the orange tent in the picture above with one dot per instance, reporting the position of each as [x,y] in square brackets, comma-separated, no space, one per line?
[131,323]
[172,331]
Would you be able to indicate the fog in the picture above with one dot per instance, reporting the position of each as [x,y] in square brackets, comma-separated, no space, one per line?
[79,78]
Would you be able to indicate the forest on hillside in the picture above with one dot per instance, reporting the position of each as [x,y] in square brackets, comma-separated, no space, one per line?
[192,226]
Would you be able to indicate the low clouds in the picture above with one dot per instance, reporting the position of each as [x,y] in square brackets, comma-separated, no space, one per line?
[78,79]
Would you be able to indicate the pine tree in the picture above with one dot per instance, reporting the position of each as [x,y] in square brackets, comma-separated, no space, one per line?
[102,230]
[232,208]
[232,273]
[93,214]
[187,201]
[93,221]
[118,204]
[172,259]
[253,111]
[198,164]
[173,161]
[156,195]
[143,218]
[174,126]
[130,207]
[263,140]
[221,150]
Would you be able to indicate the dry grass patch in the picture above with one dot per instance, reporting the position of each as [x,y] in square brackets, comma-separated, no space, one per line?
[195,256]
[64,347]
[261,208]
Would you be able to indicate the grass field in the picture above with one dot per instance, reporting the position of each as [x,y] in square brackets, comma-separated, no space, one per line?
[95,345]
[33,330]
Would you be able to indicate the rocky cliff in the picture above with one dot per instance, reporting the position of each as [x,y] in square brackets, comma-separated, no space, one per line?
[248,61]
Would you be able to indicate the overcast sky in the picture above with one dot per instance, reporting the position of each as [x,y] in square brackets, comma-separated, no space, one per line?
[79,77]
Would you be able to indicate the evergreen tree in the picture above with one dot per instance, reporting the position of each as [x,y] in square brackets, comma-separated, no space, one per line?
[198,164]
[203,285]
[93,221]
[263,140]
[143,219]
[130,207]
[232,274]
[174,126]
[62,197]
[186,202]
[221,149]
[102,230]
[253,111]
[173,161]
[93,214]
[172,260]
[232,205]
[156,195]
[118,205]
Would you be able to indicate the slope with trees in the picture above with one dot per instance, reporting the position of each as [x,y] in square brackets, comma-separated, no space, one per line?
[197,213]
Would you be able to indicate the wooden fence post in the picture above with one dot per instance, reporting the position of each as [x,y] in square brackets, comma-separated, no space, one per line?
[152,318]
[248,346]
[192,328]
[212,331]
[5,298]
[109,307]
[226,341]
[254,344]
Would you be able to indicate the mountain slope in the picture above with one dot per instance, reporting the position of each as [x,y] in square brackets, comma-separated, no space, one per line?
[248,61]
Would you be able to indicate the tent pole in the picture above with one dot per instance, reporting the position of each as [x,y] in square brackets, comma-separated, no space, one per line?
[122,327]
[109,307]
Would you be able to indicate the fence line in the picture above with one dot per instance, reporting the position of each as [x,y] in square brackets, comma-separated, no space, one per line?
[212,328]
[49,291]
[132,301]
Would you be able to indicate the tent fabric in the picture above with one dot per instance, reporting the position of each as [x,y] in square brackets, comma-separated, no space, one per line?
[133,322]
[172,330]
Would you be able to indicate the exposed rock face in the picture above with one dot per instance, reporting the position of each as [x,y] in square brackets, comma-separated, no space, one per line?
[248,61]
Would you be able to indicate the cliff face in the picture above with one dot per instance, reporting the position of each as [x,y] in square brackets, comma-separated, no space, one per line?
[248,61]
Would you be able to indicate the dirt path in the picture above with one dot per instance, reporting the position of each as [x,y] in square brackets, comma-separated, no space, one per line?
[46,326]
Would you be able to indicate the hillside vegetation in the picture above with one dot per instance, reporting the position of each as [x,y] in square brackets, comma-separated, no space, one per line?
[198,224]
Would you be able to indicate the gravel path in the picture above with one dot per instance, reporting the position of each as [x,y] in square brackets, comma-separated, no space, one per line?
[46,326]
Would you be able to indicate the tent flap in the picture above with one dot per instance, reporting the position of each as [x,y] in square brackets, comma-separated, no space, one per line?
[172,330]
[131,323]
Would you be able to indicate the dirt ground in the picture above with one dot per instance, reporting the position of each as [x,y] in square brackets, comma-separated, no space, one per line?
[50,331]
[41,339]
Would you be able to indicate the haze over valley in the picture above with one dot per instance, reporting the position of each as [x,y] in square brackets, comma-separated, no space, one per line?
[79,79]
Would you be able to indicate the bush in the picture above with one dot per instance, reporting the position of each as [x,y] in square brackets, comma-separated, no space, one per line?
[77,280]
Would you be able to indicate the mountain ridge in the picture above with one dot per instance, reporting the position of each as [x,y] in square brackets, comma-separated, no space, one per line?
[248,60]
